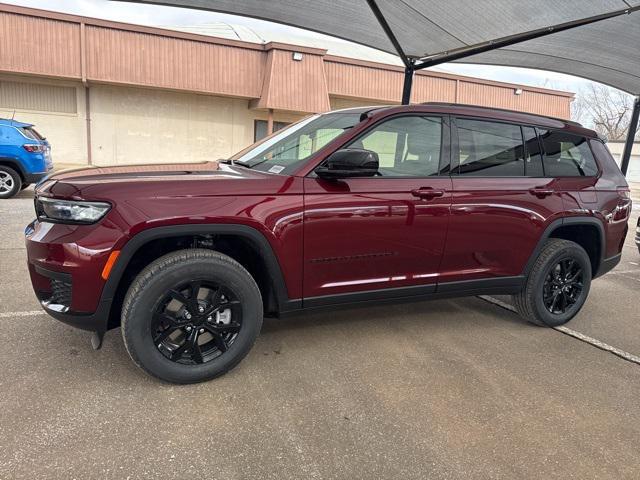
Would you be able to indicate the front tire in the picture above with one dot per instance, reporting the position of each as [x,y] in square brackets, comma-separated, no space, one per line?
[10,182]
[191,315]
[557,286]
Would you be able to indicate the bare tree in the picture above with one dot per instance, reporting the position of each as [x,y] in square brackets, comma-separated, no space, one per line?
[605,109]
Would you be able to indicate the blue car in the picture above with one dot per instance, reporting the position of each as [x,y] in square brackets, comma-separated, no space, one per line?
[25,157]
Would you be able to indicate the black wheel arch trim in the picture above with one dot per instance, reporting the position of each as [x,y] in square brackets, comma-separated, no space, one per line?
[562,222]
[138,241]
[15,164]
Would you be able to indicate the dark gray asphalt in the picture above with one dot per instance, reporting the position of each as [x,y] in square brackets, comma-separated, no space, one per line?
[447,389]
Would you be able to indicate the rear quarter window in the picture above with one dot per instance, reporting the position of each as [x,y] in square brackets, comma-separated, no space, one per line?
[30,133]
[567,155]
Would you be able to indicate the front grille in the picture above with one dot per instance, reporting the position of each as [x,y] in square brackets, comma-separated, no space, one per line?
[60,293]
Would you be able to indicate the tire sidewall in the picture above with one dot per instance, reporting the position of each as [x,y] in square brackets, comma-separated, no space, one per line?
[17,182]
[578,254]
[140,315]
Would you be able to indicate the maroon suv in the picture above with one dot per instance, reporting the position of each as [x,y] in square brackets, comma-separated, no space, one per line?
[359,205]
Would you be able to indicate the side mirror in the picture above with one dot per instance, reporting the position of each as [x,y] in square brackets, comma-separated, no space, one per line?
[348,163]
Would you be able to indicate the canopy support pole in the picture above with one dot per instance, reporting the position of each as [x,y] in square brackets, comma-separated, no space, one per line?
[631,135]
[408,62]
[406,86]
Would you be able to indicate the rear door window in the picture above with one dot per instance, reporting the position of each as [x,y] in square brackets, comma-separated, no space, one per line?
[567,155]
[489,149]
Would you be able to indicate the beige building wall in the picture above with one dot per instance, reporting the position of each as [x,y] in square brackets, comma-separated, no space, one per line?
[56,108]
[616,147]
[135,125]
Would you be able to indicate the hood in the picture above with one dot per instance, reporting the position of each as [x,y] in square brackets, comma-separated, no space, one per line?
[159,181]
[135,172]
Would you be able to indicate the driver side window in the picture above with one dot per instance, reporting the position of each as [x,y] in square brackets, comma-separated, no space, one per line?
[408,146]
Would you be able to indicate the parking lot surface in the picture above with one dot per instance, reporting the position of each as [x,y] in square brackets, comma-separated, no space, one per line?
[445,389]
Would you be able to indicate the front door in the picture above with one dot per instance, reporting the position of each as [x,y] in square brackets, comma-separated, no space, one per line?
[385,232]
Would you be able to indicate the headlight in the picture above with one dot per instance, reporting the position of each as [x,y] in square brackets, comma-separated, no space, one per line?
[69,211]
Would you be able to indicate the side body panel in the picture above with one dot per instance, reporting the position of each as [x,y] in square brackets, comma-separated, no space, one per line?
[372,233]
[495,226]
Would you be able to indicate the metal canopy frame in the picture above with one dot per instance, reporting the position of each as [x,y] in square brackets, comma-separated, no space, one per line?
[412,64]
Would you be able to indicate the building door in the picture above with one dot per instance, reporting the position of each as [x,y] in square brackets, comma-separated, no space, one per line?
[386,232]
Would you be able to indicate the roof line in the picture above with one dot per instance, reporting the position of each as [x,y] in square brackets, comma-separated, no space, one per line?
[507,110]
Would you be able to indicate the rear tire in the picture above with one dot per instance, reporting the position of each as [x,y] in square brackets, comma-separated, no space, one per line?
[10,182]
[180,336]
[557,286]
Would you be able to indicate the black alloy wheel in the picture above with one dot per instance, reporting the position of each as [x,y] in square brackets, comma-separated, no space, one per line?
[196,322]
[563,286]
[557,284]
[191,315]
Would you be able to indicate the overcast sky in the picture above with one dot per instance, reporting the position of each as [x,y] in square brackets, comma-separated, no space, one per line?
[164,16]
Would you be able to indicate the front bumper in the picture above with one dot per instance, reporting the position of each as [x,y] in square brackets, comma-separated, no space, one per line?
[65,264]
[34,177]
[57,302]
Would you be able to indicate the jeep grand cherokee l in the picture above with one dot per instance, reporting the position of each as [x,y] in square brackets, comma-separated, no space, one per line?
[386,203]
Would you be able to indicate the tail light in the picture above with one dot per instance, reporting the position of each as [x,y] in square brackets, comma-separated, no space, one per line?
[34,148]
[623,209]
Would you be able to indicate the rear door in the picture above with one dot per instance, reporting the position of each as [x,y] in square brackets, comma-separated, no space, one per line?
[501,202]
[385,232]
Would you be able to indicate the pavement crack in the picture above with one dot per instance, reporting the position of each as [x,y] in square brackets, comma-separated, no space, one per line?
[629,357]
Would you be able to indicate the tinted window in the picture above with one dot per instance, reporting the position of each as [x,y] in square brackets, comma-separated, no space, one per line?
[29,133]
[533,154]
[490,149]
[406,146]
[567,155]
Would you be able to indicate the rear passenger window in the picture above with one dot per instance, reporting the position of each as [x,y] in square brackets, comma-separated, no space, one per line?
[489,149]
[567,155]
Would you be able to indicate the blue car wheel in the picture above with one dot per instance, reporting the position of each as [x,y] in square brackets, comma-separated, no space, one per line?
[10,182]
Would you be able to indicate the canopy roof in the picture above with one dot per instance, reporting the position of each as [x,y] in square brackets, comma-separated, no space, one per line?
[607,51]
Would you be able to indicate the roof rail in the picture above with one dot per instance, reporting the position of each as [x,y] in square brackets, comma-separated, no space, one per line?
[450,104]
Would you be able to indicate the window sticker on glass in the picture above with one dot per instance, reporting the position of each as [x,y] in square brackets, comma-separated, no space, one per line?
[276,169]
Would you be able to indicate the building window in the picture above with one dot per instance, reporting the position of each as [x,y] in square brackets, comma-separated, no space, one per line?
[260,128]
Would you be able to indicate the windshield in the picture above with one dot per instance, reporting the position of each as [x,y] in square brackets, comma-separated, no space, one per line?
[283,151]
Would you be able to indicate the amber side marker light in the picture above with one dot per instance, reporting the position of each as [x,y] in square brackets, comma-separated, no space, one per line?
[109,265]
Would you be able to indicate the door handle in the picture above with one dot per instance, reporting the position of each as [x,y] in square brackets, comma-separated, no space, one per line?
[427,193]
[541,192]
